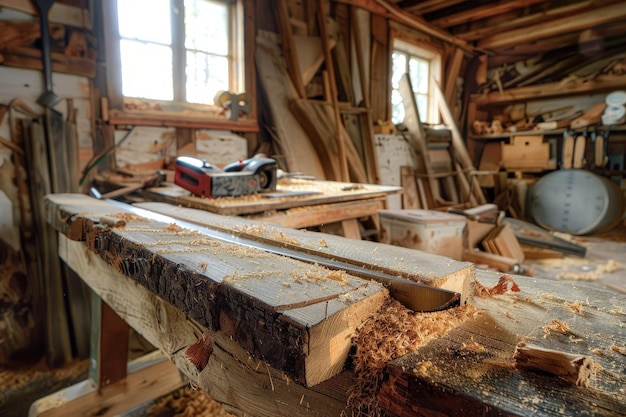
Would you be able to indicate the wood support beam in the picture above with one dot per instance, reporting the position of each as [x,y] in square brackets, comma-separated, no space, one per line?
[597,16]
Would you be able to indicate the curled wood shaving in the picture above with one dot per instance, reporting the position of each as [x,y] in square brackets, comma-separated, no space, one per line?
[394,332]
[500,288]
[557,326]
[576,307]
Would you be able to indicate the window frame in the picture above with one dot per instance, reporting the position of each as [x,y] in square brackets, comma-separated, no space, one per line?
[241,76]
[418,48]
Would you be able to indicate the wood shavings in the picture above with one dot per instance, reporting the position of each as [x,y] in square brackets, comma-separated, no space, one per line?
[500,288]
[576,307]
[187,402]
[427,369]
[598,272]
[557,326]
[473,346]
[619,349]
[319,275]
[394,332]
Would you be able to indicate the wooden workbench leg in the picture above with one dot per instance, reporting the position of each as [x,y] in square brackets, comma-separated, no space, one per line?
[109,345]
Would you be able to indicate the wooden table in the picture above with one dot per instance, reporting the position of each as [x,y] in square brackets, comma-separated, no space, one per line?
[266,352]
[297,203]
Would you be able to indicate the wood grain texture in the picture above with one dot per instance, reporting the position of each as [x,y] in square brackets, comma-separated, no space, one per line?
[470,370]
[296,316]
[429,269]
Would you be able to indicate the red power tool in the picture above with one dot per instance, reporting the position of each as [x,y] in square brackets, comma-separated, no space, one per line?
[239,178]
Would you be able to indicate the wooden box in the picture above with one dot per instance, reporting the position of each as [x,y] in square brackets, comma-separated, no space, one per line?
[527,153]
[426,230]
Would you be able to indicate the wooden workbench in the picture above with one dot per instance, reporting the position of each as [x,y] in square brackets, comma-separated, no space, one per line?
[456,362]
[296,203]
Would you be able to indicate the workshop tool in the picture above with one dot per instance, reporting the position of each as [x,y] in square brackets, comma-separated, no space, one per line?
[239,178]
[237,104]
[48,98]
[414,295]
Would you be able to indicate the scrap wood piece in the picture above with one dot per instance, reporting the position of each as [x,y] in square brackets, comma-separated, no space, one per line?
[577,369]
[298,317]
[502,241]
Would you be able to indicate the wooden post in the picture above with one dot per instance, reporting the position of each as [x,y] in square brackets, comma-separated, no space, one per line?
[109,347]
[321,16]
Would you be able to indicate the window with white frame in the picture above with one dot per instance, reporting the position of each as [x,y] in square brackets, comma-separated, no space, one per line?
[179,50]
[423,67]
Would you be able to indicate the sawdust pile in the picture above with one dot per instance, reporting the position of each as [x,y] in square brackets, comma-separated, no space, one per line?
[394,332]
[500,288]
[187,402]
[18,378]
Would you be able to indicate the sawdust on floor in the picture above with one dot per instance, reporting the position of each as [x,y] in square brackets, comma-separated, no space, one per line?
[187,402]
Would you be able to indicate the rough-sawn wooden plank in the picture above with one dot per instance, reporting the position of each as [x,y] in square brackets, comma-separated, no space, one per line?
[296,316]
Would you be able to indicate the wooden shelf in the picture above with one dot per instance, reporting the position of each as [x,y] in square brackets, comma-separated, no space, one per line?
[553,132]
[166,119]
[600,84]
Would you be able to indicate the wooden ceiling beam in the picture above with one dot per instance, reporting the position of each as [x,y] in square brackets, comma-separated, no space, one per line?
[427,6]
[536,18]
[557,27]
[384,9]
[482,12]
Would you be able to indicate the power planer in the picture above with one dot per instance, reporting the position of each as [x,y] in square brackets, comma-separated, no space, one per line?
[245,177]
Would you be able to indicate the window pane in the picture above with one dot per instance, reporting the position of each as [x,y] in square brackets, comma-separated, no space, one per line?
[422,106]
[397,108]
[418,70]
[206,75]
[398,68]
[206,26]
[135,23]
[146,70]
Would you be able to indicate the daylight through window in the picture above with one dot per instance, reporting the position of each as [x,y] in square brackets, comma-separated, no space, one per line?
[180,50]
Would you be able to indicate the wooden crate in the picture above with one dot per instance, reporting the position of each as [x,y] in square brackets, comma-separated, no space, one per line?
[527,153]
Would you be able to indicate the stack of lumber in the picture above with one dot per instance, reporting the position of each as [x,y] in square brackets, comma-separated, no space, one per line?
[316,99]
[502,241]
[445,173]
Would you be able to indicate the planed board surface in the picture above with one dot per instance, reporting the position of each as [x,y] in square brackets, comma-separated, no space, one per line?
[298,317]
[470,370]
[290,193]
[426,268]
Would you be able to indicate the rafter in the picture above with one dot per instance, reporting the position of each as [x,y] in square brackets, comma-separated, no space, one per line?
[557,27]
[482,12]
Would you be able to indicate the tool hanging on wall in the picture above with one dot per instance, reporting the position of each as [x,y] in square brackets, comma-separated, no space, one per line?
[48,98]
[235,104]
[239,178]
